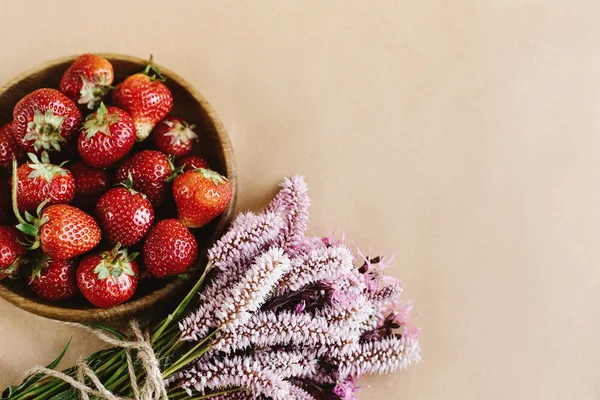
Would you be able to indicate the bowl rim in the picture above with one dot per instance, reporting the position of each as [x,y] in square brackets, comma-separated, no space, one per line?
[136,306]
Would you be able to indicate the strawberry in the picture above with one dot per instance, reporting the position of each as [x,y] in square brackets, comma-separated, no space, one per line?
[62,231]
[5,209]
[9,148]
[67,232]
[170,249]
[149,171]
[107,136]
[40,181]
[88,80]
[109,278]
[174,136]
[189,163]
[201,195]
[11,251]
[90,184]
[44,120]
[124,215]
[146,98]
[53,280]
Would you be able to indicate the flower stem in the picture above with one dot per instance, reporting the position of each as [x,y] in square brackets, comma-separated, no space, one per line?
[181,307]
[196,352]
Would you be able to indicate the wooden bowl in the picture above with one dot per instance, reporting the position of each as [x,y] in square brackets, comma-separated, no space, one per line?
[214,145]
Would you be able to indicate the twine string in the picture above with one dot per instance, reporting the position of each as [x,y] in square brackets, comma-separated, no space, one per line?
[154,387]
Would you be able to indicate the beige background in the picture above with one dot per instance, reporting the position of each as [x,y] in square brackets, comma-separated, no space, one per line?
[464,135]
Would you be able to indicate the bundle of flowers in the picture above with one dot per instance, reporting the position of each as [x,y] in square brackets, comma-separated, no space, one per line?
[276,315]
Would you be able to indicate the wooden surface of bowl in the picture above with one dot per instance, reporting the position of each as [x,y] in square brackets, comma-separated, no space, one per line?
[213,144]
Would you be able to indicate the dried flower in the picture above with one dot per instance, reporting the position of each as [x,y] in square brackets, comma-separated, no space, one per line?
[263,372]
[355,316]
[389,294]
[326,323]
[320,264]
[266,329]
[247,237]
[236,373]
[348,287]
[232,298]
[247,296]
[298,393]
[293,202]
[377,357]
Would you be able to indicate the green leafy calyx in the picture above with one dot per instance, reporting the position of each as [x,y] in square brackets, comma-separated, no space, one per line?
[45,130]
[115,263]
[180,132]
[99,122]
[215,177]
[43,169]
[92,91]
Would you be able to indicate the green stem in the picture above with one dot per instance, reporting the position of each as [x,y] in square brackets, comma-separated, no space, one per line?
[196,352]
[182,306]
[13,191]
[109,364]
[166,340]
[174,347]
[117,374]
[42,392]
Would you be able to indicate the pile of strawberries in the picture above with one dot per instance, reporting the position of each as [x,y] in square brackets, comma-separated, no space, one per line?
[78,225]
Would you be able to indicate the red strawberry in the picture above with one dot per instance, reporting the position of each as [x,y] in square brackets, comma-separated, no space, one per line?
[201,195]
[149,171]
[192,162]
[125,215]
[9,148]
[90,184]
[11,251]
[88,80]
[53,280]
[63,232]
[40,181]
[174,136]
[5,207]
[109,278]
[67,232]
[170,249]
[44,120]
[146,98]
[107,136]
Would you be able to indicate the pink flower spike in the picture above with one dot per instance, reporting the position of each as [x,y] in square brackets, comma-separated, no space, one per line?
[345,390]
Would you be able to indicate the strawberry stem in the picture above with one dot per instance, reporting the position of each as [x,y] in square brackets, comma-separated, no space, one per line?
[175,171]
[152,68]
[14,189]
